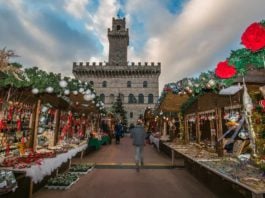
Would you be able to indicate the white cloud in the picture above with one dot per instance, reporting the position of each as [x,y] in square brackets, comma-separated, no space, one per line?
[202,33]
[102,20]
[76,7]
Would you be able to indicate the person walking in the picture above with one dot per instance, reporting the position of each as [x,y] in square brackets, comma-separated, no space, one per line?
[118,132]
[138,135]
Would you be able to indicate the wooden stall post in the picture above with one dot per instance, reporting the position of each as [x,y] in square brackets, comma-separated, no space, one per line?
[219,133]
[198,132]
[31,185]
[32,124]
[186,130]
[36,125]
[213,134]
[57,126]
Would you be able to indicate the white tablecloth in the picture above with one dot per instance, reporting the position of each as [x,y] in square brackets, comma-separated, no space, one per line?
[38,172]
[155,141]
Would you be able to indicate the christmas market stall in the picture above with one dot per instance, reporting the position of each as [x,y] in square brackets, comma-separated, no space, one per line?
[223,144]
[166,124]
[41,130]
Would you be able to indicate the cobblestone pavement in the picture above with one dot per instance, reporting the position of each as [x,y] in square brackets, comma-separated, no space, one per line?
[126,182]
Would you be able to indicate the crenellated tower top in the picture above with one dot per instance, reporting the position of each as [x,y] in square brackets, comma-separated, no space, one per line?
[118,42]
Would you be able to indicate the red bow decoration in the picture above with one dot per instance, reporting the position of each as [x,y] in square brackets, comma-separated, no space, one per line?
[224,70]
[18,125]
[262,103]
[254,37]
[10,113]
[2,125]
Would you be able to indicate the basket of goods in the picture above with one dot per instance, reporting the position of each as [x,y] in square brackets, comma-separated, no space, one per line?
[8,182]
[62,182]
[81,168]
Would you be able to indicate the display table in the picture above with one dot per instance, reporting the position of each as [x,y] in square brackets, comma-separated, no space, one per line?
[154,140]
[216,179]
[95,142]
[105,140]
[36,173]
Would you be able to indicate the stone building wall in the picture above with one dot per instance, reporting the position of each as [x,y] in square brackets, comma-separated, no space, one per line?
[116,82]
[117,72]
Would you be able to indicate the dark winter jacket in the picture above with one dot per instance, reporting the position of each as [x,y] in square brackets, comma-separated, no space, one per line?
[118,129]
[138,134]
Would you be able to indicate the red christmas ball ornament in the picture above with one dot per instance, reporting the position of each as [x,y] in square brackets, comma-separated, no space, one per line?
[224,70]
[254,37]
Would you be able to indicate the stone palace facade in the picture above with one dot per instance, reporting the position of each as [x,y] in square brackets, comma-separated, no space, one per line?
[137,83]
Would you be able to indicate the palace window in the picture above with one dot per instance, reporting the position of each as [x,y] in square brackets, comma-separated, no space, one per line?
[122,97]
[102,98]
[104,84]
[118,27]
[144,84]
[91,82]
[150,99]
[140,98]
[111,98]
[131,114]
[131,99]
[129,84]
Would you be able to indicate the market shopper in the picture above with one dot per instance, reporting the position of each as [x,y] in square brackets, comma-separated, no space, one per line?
[138,134]
[118,132]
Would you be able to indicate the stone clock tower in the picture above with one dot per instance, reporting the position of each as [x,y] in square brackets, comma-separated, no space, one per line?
[136,83]
[118,42]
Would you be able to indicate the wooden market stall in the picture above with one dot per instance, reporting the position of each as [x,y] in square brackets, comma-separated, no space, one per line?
[45,120]
[171,121]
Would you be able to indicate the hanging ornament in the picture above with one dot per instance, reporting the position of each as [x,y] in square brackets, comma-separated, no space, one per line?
[87,97]
[254,37]
[208,86]
[211,82]
[93,96]
[224,70]
[66,92]
[63,83]
[75,92]
[88,92]
[190,83]
[81,90]
[49,89]
[35,91]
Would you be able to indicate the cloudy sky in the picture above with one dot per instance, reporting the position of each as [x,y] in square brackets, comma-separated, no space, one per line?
[186,36]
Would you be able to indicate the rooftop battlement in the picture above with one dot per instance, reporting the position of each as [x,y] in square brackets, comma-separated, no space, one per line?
[130,64]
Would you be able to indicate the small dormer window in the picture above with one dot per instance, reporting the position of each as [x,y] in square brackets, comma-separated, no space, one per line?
[118,27]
